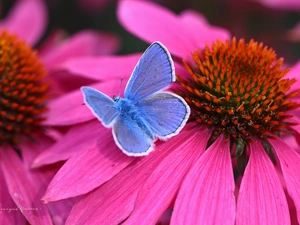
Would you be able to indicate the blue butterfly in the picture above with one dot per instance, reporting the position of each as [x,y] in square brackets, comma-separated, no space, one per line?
[145,112]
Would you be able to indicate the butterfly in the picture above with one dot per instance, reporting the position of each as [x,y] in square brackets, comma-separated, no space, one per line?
[146,112]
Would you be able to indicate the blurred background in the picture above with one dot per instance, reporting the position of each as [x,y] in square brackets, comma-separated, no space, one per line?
[269,21]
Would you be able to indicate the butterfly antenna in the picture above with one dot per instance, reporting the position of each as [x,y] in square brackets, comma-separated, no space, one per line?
[120,86]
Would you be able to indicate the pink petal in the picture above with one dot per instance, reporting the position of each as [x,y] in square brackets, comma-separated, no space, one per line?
[88,169]
[78,138]
[193,16]
[294,73]
[165,218]
[291,5]
[40,178]
[293,144]
[59,79]
[27,19]
[293,140]
[207,192]
[261,197]
[69,109]
[151,22]
[30,150]
[196,22]
[159,190]
[55,37]
[60,211]
[84,43]
[180,34]
[100,68]
[290,165]
[22,189]
[112,202]
[9,212]
[181,71]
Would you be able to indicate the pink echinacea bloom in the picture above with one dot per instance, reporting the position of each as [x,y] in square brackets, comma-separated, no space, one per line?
[235,162]
[27,78]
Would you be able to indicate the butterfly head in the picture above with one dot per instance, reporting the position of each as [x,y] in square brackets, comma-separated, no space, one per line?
[116,98]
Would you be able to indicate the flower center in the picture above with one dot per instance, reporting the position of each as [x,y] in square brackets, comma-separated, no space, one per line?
[237,88]
[22,92]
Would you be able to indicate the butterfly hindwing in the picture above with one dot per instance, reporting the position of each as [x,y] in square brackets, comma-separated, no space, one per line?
[130,138]
[165,113]
[153,72]
[100,104]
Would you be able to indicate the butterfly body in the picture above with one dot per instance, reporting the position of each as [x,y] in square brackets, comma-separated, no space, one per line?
[130,111]
[145,112]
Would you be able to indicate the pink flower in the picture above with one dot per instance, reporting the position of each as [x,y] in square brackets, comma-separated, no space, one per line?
[227,166]
[23,100]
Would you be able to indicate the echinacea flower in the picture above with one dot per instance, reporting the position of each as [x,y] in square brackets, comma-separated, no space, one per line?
[235,162]
[25,94]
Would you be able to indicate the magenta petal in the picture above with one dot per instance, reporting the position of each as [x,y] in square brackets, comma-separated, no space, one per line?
[179,68]
[30,150]
[291,5]
[207,192]
[69,109]
[9,212]
[294,73]
[22,189]
[40,179]
[60,210]
[151,22]
[180,34]
[84,43]
[209,34]
[261,198]
[290,165]
[159,190]
[27,19]
[78,138]
[58,80]
[100,68]
[88,169]
[112,202]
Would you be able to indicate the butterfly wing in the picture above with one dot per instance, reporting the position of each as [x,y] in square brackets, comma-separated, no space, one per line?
[130,138]
[102,106]
[154,71]
[165,113]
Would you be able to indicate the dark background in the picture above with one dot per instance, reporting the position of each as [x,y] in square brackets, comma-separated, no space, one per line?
[243,18]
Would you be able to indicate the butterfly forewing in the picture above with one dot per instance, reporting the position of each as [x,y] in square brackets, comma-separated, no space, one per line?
[165,113]
[100,104]
[153,72]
